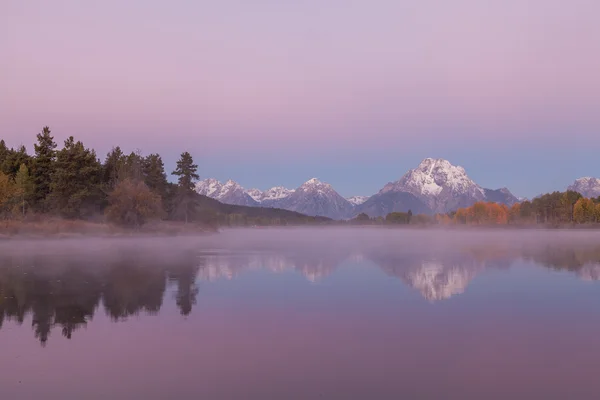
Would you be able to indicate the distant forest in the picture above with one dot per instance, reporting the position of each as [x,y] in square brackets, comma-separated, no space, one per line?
[127,190]
[130,190]
[552,209]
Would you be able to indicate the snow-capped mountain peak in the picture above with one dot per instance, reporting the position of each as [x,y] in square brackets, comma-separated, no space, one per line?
[256,194]
[357,200]
[314,184]
[439,184]
[434,175]
[209,187]
[314,197]
[442,187]
[587,186]
[277,193]
[231,192]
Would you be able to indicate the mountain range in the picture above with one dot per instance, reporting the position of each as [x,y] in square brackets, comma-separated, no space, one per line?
[434,186]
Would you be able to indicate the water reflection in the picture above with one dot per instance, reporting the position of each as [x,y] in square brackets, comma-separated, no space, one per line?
[65,292]
[62,291]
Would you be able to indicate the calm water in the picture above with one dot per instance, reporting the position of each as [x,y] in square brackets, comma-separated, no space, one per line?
[303,314]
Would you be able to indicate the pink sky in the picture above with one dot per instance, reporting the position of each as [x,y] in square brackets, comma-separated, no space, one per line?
[238,75]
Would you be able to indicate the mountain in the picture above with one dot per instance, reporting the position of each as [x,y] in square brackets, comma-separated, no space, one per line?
[587,186]
[382,204]
[438,186]
[271,197]
[229,193]
[209,205]
[357,200]
[313,198]
[317,198]
[435,186]
[503,196]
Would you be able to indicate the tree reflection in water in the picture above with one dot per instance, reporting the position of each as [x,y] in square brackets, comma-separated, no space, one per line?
[63,291]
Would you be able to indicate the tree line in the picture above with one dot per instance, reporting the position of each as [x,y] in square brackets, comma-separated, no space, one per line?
[124,189]
[552,209]
[71,182]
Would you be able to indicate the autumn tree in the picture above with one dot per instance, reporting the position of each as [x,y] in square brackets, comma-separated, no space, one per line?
[43,168]
[25,188]
[568,201]
[8,193]
[132,204]
[584,211]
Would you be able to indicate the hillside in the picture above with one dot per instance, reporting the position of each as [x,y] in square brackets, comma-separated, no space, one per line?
[210,208]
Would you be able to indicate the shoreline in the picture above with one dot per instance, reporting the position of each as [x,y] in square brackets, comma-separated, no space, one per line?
[73,229]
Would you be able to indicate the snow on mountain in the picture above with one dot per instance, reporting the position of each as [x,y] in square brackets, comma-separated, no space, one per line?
[316,198]
[439,184]
[230,192]
[271,197]
[444,187]
[587,186]
[434,186]
[256,194]
[209,187]
[357,200]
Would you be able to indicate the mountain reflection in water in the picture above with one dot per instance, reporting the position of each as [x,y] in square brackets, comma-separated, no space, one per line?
[62,285]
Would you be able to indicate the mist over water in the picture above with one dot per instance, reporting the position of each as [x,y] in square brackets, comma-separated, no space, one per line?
[303,313]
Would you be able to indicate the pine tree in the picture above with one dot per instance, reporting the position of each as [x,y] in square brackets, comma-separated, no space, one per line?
[112,167]
[187,172]
[155,176]
[185,201]
[3,152]
[133,167]
[43,167]
[13,160]
[77,182]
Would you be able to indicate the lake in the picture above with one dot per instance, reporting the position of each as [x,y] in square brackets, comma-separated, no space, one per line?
[307,313]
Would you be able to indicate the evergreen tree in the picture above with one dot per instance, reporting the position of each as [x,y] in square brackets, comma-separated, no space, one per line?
[185,200]
[3,153]
[155,176]
[112,167]
[187,172]
[133,167]
[13,160]
[43,167]
[77,182]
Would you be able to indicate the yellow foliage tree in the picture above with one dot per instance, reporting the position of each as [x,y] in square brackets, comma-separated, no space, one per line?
[583,211]
[9,194]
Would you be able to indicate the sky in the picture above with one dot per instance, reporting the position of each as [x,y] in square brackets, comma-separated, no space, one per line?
[275,92]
